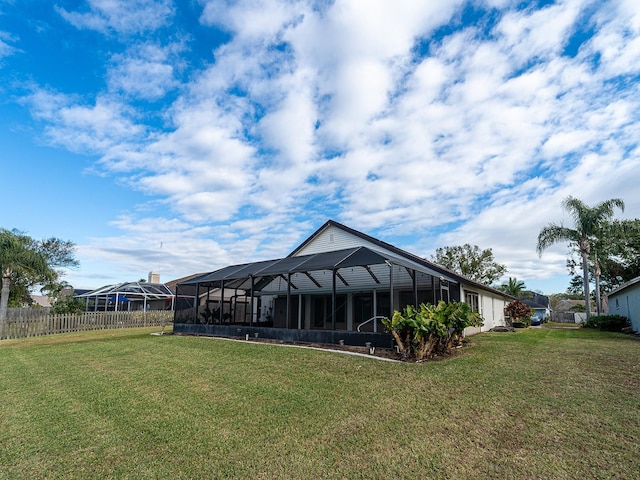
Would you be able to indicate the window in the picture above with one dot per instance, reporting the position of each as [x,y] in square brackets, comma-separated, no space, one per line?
[472,300]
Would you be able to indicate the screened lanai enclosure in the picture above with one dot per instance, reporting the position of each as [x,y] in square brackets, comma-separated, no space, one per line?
[128,296]
[330,297]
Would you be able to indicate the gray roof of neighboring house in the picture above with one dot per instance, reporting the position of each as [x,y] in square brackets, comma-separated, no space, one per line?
[537,301]
[41,300]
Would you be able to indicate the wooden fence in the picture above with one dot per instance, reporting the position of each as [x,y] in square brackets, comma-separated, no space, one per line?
[34,326]
[569,317]
[563,317]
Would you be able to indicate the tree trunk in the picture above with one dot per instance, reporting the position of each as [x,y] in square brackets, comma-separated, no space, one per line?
[4,298]
[399,342]
[585,279]
[598,299]
[427,348]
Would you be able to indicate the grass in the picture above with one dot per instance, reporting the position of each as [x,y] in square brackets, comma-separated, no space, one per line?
[540,403]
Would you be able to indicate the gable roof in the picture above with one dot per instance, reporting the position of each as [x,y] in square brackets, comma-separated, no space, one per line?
[439,270]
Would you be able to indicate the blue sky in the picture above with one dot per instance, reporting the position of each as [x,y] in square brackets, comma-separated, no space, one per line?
[180,137]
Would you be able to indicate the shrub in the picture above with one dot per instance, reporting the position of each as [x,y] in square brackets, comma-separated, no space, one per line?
[67,304]
[519,312]
[607,323]
[431,329]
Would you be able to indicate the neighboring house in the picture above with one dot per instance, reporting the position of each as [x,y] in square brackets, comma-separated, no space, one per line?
[539,303]
[567,305]
[41,301]
[334,286]
[625,301]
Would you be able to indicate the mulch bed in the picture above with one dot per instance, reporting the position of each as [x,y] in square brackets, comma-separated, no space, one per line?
[388,353]
[379,352]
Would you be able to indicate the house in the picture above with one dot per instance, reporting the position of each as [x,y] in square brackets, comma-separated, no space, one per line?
[333,288]
[625,301]
[565,305]
[41,301]
[539,303]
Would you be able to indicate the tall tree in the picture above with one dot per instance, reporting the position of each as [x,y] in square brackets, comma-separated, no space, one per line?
[588,223]
[17,257]
[617,251]
[27,262]
[513,287]
[470,261]
[59,254]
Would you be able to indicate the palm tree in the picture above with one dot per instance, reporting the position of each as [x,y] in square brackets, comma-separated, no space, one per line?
[18,255]
[587,222]
[513,287]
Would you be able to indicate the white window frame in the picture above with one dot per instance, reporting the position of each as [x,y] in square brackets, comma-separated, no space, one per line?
[473,300]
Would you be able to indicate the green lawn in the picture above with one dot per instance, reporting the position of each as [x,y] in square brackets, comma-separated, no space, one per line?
[537,404]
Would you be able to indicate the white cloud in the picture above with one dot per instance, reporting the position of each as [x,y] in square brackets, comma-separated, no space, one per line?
[121,16]
[251,20]
[289,127]
[176,248]
[617,39]
[79,127]
[5,48]
[145,71]
[536,35]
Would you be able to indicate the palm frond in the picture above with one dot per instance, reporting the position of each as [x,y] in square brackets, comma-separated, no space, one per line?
[554,233]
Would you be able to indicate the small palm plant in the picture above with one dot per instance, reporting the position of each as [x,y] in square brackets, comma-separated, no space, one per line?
[513,287]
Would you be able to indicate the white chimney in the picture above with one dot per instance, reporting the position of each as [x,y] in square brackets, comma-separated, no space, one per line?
[154,277]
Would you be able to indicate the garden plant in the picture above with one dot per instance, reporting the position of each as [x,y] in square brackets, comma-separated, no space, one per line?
[430,330]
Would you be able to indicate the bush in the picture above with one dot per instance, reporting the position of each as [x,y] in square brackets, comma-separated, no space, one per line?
[519,312]
[67,304]
[431,329]
[607,323]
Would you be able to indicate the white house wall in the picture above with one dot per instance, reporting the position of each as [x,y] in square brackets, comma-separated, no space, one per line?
[333,238]
[492,312]
[491,308]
